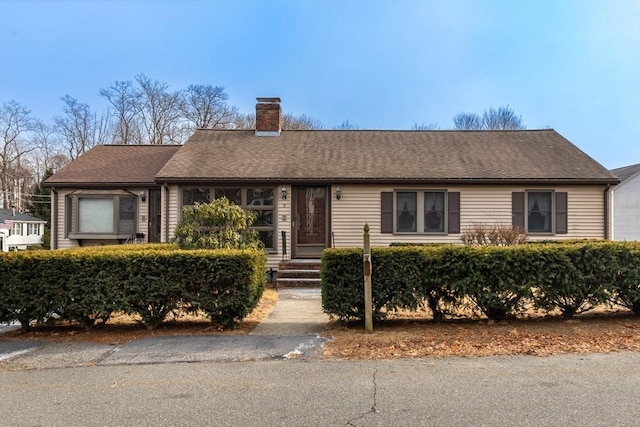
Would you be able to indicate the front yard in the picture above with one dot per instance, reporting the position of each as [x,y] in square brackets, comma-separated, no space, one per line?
[402,335]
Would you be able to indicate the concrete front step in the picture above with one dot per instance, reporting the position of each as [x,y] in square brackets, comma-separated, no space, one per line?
[299,273]
[302,274]
[294,282]
[300,264]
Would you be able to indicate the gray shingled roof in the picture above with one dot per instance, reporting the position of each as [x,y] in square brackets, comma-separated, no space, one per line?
[8,214]
[393,156]
[626,172]
[108,165]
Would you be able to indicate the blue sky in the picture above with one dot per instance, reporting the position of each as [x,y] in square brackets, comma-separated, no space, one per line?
[570,65]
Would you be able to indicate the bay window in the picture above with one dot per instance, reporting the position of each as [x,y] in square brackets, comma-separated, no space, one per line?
[95,216]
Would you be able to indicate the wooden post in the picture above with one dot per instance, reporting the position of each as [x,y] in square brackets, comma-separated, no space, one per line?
[368,304]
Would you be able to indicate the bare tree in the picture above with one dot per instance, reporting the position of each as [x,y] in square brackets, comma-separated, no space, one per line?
[205,107]
[347,125]
[423,126]
[126,100]
[301,122]
[467,121]
[244,121]
[160,112]
[288,122]
[48,154]
[502,118]
[80,128]
[15,124]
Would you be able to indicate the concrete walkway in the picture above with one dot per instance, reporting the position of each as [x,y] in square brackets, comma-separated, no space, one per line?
[297,312]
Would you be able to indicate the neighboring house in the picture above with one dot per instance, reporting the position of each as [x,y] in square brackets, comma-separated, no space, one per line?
[19,231]
[314,189]
[625,201]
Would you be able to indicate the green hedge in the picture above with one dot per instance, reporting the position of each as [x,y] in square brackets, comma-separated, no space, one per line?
[500,281]
[87,285]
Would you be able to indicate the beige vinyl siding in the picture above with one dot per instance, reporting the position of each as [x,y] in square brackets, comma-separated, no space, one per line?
[283,223]
[484,204]
[63,242]
[174,210]
[487,204]
[357,206]
[143,213]
[585,205]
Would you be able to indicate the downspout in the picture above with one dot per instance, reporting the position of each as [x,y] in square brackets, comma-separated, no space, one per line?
[166,213]
[54,219]
[606,212]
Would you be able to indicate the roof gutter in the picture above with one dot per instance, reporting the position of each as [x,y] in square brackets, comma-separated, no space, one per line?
[101,184]
[396,181]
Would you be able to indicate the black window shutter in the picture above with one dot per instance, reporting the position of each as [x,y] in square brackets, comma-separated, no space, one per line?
[454,212]
[517,210]
[386,212]
[561,213]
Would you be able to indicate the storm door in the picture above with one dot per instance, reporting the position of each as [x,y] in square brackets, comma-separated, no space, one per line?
[155,215]
[310,221]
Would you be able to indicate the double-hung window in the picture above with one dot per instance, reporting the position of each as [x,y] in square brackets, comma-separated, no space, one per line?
[540,211]
[33,229]
[420,211]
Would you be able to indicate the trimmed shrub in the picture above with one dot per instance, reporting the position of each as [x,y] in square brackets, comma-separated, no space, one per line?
[85,292]
[22,296]
[402,278]
[418,244]
[495,280]
[500,281]
[576,277]
[227,286]
[87,285]
[219,224]
[626,284]
[342,283]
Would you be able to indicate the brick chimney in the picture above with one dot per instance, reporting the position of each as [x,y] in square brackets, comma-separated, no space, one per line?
[268,114]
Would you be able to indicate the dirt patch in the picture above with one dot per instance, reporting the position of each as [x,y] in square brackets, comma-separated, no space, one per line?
[412,338]
[121,328]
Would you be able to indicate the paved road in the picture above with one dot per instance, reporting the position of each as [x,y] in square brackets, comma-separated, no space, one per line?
[593,390]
